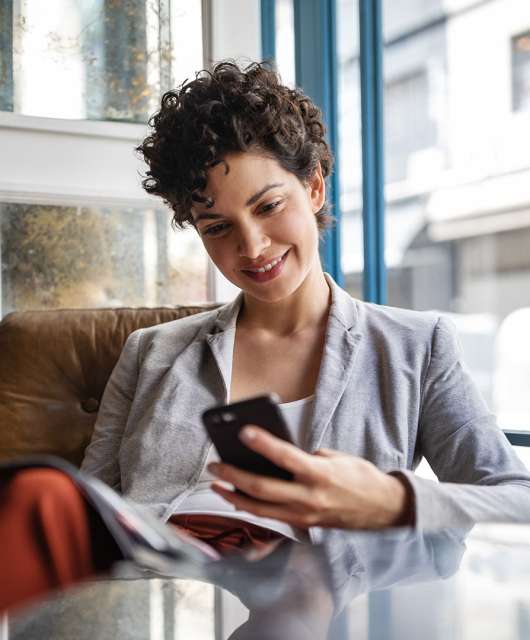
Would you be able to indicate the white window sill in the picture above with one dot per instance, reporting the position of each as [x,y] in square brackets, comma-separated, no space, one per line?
[92,128]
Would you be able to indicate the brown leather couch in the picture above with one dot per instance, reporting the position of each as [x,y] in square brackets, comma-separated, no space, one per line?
[54,366]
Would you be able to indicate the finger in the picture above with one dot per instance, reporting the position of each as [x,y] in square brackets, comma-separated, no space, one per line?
[263,488]
[328,453]
[284,454]
[261,508]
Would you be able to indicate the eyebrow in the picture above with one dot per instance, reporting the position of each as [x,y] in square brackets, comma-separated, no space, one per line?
[209,215]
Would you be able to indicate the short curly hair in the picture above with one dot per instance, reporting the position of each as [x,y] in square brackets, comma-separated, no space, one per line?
[228,110]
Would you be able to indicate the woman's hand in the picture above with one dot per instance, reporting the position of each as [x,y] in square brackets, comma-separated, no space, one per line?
[329,489]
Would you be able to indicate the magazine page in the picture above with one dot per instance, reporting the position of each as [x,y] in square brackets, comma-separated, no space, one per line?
[140,536]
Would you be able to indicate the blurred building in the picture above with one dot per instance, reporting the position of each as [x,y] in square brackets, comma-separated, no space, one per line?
[457,167]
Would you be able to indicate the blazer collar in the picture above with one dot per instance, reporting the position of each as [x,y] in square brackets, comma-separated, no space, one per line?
[343,307]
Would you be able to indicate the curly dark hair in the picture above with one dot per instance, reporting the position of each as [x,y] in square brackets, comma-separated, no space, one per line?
[229,110]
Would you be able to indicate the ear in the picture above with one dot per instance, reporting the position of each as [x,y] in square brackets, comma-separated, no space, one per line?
[316,186]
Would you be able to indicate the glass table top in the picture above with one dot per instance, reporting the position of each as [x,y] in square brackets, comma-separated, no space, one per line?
[368,586]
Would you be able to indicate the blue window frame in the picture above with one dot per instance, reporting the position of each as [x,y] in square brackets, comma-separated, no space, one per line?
[371,63]
[268,30]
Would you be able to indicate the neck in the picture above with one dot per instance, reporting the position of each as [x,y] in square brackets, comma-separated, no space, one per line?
[308,306]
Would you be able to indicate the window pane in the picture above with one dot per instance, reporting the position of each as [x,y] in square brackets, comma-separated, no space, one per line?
[285,52]
[350,145]
[408,97]
[6,56]
[458,182]
[96,59]
[521,71]
[81,257]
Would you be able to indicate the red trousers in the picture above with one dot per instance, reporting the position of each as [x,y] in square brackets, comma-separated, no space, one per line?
[50,537]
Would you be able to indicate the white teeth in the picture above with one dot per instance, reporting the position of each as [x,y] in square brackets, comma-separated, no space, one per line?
[267,267]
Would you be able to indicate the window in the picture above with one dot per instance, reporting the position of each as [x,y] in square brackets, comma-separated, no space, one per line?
[521,72]
[96,60]
[285,55]
[409,127]
[76,228]
[75,257]
[349,140]
[458,227]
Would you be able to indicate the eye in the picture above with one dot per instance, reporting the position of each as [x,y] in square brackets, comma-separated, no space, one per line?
[268,208]
[215,229]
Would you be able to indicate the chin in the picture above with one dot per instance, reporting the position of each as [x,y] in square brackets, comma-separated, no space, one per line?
[272,298]
[273,294]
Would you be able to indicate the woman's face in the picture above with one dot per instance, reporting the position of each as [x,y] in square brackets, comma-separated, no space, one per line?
[261,229]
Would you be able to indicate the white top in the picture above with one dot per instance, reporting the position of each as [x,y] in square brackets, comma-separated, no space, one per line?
[202,499]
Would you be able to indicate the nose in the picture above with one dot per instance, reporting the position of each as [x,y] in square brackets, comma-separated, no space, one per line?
[252,241]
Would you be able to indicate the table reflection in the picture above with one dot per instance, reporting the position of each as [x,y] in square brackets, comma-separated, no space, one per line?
[446,584]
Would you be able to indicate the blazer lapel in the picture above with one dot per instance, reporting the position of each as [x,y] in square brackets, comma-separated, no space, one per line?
[221,341]
[338,358]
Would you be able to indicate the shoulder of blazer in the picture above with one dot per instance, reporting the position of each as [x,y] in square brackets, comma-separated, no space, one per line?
[396,324]
[175,335]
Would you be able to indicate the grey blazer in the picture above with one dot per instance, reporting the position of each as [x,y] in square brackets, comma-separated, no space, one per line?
[391,389]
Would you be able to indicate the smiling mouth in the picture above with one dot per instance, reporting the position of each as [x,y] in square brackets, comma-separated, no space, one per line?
[267,267]
[268,271]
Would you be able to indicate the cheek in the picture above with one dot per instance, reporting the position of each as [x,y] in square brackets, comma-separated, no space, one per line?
[303,229]
[214,251]
[221,255]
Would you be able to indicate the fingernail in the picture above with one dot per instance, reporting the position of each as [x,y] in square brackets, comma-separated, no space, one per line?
[248,434]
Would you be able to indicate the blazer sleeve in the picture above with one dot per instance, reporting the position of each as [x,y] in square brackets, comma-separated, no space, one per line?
[101,455]
[481,477]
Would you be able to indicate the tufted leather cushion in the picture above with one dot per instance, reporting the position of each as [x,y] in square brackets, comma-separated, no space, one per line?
[54,366]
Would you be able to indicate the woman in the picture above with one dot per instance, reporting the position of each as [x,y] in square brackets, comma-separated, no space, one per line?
[243,159]
[366,390]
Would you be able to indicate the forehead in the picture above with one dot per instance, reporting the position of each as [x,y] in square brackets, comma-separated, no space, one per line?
[239,176]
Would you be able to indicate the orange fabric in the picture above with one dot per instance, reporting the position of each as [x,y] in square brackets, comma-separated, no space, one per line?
[45,535]
[225,535]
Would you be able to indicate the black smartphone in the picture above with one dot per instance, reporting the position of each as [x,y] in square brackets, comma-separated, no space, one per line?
[224,423]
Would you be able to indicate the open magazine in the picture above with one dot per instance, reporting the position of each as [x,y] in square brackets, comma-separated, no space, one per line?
[142,538]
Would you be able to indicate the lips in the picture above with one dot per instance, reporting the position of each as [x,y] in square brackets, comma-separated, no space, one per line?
[266,275]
